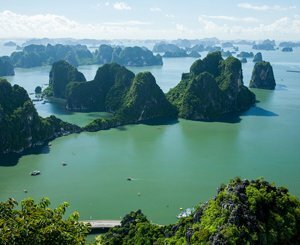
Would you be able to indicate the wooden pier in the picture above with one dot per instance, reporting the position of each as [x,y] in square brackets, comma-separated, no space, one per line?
[102,224]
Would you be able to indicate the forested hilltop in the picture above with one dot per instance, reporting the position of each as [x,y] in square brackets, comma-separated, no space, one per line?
[21,126]
[242,212]
[212,89]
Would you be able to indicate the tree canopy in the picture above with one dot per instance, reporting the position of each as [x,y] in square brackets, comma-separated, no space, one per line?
[36,223]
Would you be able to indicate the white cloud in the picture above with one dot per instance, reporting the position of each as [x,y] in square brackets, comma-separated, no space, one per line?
[127,23]
[13,25]
[230,18]
[283,28]
[265,7]
[155,9]
[171,16]
[121,6]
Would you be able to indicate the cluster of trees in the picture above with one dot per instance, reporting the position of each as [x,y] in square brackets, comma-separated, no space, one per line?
[36,223]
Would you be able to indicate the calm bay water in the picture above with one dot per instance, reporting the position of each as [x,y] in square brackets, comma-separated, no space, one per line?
[172,166]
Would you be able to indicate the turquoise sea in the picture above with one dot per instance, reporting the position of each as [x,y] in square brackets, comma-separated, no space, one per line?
[172,166]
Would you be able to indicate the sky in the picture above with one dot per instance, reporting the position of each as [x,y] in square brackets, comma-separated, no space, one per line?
[150,19]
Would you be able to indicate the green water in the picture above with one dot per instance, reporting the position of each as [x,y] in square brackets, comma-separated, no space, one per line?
[172,166]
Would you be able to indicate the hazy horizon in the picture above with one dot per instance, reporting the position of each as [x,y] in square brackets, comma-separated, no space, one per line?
[132,19]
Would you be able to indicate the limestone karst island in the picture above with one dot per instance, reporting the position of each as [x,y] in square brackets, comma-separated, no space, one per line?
[149,122]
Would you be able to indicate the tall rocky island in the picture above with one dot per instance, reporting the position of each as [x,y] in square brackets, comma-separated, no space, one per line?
[130,98]
[212,89]
[21,126]
[263,76]
[62,73]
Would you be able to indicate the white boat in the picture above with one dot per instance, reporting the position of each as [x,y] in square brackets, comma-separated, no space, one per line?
[35,172]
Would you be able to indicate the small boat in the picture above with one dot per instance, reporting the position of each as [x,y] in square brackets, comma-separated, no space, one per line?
[64,163]
[129,178]
[35,172]
[25,191]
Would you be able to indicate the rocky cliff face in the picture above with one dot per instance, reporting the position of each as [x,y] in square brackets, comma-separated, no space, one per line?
[6,67]
[263,76]
[62,73]
[213,88]
[21,126]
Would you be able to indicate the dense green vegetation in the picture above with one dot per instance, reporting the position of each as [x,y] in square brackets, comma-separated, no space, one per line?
[145,101]
[105,93]
[132,99]
[21,127]
[128,56]
[62,73]
[242,212]
[6,67]
[36,223]
[213,88]
[115,89]
[38,55]
[263,76]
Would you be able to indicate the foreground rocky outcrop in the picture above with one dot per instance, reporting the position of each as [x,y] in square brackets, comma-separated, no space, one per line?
[263,76]
[6,67]
[243,212]
[212,89]
[21,126]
